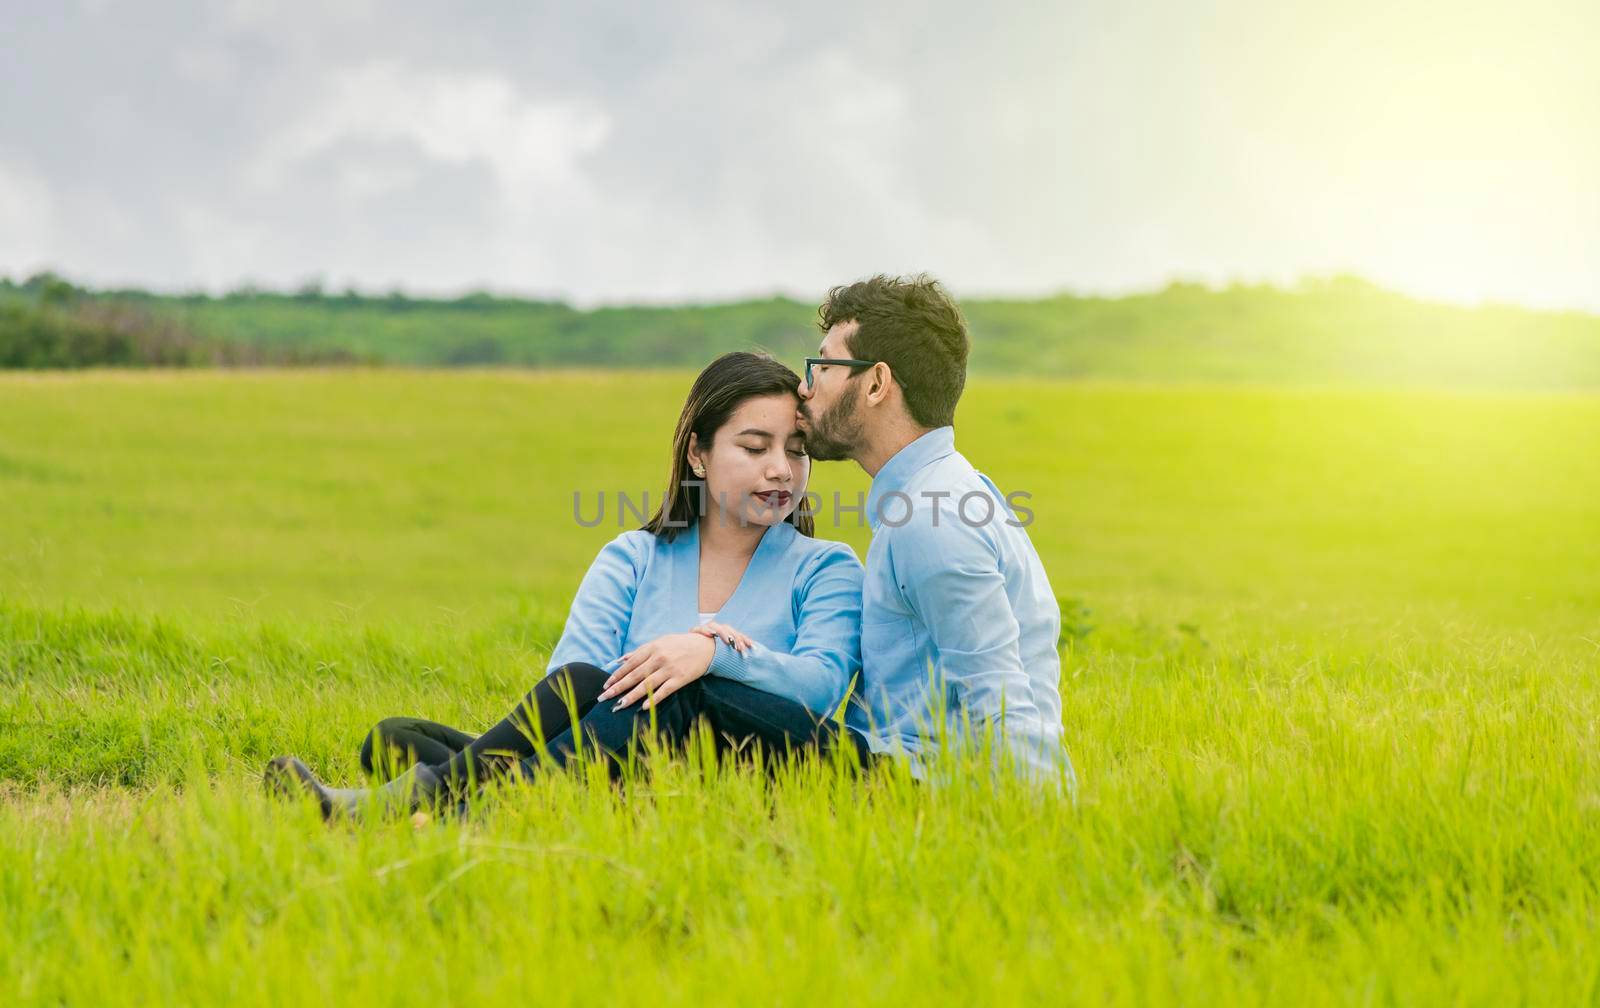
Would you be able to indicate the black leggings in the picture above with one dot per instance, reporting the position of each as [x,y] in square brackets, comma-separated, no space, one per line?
[458,758]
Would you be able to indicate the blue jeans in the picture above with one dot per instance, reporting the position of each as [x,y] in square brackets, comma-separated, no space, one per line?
[744,722]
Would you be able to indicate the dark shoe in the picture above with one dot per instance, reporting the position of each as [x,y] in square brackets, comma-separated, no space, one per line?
[287,777]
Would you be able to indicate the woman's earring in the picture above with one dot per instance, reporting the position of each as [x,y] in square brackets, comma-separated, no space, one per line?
[700,471]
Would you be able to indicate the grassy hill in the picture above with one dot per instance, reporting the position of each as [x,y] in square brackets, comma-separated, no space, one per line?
[1331,331]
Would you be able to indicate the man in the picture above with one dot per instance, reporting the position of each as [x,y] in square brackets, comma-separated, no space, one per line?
[959,623]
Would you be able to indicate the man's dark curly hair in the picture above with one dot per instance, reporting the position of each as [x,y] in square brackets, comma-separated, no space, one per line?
[913,326]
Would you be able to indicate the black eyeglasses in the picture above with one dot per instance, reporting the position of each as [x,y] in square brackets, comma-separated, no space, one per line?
[812,362]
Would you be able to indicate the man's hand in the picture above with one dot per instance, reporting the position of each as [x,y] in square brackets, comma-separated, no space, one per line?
[659,669]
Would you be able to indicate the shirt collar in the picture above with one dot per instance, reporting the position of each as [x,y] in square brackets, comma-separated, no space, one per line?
[906,463]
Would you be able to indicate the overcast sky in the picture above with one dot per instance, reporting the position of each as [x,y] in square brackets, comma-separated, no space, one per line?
[612,152]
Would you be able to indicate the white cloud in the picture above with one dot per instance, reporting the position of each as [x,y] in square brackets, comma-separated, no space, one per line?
[532,147]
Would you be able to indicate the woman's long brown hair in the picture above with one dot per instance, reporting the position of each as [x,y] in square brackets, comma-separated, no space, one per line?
[720,389]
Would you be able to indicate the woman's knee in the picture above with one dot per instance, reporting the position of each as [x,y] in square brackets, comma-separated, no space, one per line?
[388,730]
[586,681]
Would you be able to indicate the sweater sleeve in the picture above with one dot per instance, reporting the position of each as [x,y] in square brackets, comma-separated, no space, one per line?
[597,625]
[827,647]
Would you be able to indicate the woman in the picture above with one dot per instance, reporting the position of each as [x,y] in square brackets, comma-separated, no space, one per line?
[725,581]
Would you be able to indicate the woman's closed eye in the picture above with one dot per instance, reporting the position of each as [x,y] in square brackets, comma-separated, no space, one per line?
[796,452]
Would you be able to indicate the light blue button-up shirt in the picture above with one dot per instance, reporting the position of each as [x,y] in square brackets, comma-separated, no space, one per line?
[799,601]
[959,626]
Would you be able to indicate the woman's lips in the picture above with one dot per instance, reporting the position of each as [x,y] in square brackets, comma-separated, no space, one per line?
[775,498]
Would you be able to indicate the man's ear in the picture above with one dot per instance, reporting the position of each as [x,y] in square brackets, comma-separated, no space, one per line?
[878,385]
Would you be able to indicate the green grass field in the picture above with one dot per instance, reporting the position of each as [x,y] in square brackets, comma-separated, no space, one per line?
[1329,683]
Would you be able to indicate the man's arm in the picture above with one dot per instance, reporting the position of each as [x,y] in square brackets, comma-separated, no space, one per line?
[950,577]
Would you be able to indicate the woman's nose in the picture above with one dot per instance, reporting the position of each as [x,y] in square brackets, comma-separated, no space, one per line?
[781,470]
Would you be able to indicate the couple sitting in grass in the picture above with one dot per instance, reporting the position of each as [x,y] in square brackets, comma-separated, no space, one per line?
[725,611]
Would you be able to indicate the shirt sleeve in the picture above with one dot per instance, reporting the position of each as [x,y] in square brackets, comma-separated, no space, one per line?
[950,577]
[597,625]
[827,647]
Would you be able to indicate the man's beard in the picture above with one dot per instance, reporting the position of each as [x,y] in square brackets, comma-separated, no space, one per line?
[836,435]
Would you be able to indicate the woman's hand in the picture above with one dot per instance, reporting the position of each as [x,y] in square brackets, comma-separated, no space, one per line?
[738,641]
[659,669]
